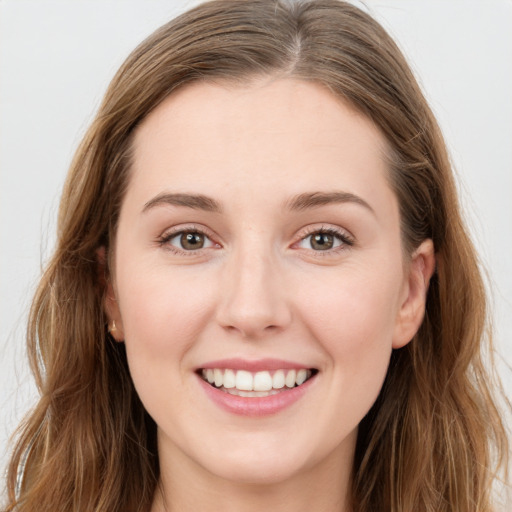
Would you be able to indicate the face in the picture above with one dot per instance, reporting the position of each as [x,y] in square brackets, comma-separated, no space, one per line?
[259,245]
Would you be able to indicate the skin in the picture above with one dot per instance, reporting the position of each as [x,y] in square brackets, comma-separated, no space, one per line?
[260,289]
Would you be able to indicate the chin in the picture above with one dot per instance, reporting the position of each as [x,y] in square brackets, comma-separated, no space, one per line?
[257,473]
[263,461]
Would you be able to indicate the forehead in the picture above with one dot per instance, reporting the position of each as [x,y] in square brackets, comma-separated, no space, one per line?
[265,139]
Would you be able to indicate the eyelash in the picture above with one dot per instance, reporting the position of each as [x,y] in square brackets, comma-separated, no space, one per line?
[346,240]
[164,240]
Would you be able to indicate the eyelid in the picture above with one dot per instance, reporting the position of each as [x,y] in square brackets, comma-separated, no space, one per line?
[164,239]
[347,239]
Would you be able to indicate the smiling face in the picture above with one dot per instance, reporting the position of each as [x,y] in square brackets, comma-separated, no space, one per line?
[259,245]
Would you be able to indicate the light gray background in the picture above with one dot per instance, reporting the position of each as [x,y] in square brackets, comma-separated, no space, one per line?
[57,56]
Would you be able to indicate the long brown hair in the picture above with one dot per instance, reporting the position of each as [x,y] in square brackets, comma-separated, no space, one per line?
[434,438]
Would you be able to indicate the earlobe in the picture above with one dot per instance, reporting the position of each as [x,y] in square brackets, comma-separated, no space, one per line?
[412,309]
[115,324]
[110,305]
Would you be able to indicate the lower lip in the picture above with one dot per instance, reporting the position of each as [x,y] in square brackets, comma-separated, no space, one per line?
[256,406]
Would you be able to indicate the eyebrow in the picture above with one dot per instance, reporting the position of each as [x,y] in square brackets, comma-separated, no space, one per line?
[300,202]
[316,199]
[194,201]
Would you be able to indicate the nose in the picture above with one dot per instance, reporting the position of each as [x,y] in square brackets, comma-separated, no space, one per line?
[253,301]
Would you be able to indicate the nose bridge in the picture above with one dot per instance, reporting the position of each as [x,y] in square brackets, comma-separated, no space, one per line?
[254,300]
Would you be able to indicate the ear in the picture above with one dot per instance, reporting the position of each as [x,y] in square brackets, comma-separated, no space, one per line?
[110,305]
[414,296]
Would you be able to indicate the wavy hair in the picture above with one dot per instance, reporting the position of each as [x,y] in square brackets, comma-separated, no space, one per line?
[433,440]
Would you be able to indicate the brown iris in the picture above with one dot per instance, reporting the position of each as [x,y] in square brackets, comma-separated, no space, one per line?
[191,241]
[322,241]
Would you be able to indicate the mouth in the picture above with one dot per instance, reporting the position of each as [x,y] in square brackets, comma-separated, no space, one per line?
[256,384]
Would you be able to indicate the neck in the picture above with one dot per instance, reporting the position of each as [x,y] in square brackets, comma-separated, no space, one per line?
[324,487]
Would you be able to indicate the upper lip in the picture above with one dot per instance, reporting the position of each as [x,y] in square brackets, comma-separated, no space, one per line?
[254,365]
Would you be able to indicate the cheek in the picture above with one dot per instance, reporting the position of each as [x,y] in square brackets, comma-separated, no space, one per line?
[352,306]
[162,311]
[163,314]
[353,316]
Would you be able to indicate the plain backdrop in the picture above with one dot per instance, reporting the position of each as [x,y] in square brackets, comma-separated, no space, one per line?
[57,57]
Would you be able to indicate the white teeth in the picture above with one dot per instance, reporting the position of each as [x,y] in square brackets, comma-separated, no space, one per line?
[236,392]
[229,379]
[302,375]
[278,380]
[244,380]
[262,381]
[257,383]
[219,377]
[290,379]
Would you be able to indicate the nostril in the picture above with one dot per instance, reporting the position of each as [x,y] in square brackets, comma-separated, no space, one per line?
[253,304]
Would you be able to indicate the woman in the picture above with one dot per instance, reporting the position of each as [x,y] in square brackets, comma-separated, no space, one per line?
[263,294]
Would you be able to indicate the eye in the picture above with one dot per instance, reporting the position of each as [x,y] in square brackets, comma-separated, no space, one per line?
[188,240]
[325,240]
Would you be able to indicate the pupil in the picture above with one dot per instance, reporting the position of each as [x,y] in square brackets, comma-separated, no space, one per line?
[192,240]
[322,241]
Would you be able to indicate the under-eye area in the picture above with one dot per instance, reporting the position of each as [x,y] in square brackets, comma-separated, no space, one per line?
[256,384]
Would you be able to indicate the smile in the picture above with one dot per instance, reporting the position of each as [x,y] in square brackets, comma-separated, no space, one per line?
[256,384]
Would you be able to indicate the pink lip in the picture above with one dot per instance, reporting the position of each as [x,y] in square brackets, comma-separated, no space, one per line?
[255,406]
[255,365]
